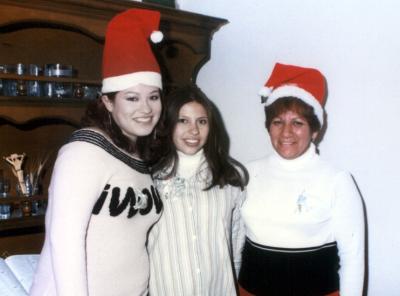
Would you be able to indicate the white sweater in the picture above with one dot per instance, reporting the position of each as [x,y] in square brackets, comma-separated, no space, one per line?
[101,204]
[305,202]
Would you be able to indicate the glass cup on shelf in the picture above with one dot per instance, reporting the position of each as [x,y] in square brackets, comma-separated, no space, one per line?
[34,86]
[5,209]
[53,89]
[91,92]
[15,87]
[86,91]
[32,207]
[2,69]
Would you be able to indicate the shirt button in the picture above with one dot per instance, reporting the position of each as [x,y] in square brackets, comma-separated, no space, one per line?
[190,209]
[194,237]
[198,270]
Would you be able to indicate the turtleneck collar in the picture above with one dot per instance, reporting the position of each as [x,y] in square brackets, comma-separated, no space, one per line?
[297,163]
[189,164]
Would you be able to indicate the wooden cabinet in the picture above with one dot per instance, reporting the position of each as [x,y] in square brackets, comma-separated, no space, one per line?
[72,32]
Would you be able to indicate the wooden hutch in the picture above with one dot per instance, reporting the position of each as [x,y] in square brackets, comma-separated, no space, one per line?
[72,32]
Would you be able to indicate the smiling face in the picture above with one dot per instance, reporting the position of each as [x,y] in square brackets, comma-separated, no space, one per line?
[192,128]
[135,110]
[290,134]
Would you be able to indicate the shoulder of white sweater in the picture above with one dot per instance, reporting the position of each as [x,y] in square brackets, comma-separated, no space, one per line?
[266,166]
[330,168]
[80,148]
[257,163]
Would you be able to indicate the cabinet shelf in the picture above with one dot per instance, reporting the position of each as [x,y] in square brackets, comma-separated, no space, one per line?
[20,199]
[21,223]
[6,76]
[53,102]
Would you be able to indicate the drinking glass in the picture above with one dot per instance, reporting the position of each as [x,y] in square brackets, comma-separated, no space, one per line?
[34,86]
[5,209]
[58,89]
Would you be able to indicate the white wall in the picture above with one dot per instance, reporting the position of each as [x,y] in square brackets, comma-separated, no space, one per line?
[356,44]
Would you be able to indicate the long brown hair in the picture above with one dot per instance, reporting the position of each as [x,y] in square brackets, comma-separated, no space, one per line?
[224,169]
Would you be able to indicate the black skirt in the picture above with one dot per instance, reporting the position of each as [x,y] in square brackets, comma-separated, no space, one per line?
[269,271]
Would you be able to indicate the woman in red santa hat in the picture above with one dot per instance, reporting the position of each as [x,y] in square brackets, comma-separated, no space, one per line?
[304,218]
[102,200]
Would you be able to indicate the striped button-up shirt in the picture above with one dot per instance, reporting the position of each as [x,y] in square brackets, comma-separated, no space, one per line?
[195,248]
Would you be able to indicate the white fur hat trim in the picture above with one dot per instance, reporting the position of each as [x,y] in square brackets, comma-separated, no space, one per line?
[265,91]
[292,90]
[122,82]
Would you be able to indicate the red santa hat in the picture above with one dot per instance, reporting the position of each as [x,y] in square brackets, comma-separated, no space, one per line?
[128,59]
[306,84]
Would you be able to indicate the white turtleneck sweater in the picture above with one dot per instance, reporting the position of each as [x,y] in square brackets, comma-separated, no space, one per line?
[305,202]
[192,246]
[189,164]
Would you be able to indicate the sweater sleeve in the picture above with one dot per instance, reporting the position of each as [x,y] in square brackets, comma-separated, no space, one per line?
[77,181]
[348,221]
[238,232]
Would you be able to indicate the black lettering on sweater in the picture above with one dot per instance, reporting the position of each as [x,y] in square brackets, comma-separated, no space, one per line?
[132,210]
[131,200]
[99,203]
[116,207]
[157,199]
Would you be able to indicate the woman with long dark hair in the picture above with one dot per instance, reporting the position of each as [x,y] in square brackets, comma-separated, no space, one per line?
[195,247]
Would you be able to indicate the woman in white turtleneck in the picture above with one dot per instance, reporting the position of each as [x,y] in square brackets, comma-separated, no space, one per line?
[195,247]
[304,218]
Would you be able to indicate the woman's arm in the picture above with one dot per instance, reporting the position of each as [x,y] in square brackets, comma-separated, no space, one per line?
[77,180]
[348,221]
[238,232]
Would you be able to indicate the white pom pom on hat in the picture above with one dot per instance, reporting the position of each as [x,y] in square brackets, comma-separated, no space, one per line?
[156,36]
[128,58]
[306,84]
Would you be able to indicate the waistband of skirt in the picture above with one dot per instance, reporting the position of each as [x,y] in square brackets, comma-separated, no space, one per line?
[291,250]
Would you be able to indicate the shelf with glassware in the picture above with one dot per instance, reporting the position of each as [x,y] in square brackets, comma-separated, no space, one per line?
[22,199]
[21,212]
[48,89]
[62,98]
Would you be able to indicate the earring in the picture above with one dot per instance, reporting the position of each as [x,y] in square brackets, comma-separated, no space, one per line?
[109,118]
[155,134]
